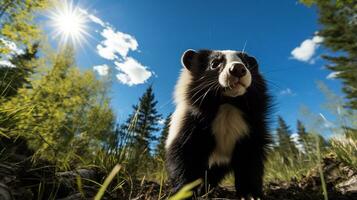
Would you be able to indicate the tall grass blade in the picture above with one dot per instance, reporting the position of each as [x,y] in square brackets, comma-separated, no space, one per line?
[186,191]
[323,182]
[107,181]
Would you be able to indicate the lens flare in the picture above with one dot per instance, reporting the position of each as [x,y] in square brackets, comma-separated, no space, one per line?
[69,23]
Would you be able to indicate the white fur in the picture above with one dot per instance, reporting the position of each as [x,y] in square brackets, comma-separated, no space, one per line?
[238,124]
[227,80]
[181,106]
[228,127]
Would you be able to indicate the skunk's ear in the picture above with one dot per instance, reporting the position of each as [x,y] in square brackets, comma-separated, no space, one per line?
[249,61]
[188,58]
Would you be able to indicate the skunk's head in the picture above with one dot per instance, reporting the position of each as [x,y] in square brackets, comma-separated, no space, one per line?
[218,73]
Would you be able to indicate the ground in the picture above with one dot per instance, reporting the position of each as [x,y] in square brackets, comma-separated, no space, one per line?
[23,180]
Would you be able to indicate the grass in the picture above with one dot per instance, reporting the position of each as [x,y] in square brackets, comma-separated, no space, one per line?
[345,150]
[106,183]
[186,191]
[277,169]
[118,162]
[323,182]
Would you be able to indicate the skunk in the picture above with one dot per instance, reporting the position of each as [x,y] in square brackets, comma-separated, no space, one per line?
[221,122]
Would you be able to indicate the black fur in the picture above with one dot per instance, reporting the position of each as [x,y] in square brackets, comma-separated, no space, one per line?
[187,156]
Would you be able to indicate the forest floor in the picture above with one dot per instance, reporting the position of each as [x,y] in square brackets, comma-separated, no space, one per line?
[21,179]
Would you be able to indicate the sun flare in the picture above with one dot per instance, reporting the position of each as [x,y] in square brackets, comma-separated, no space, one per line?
[69,23]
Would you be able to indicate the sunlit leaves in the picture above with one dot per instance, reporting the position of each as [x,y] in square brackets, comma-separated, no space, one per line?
[65,114]
[17,22]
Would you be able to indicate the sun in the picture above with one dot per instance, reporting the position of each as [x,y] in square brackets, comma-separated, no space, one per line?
[69,23]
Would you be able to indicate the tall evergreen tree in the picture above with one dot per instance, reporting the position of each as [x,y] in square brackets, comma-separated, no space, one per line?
[309,140]
[13,78]
[120,142]
[305,138]
[286,146]
[301,131]
[339,28]
[145,120]
[160,149]
[141,125]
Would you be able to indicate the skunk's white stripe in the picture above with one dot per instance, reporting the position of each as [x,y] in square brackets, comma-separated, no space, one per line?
[228,127]
[175,124]
[182,106]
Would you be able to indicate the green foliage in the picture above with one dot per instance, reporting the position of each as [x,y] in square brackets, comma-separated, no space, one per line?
[160,149]
[309,140]
[17,22]
[345,150]
[338,2]
[64,116]
[286,167]
[286,146]
[186,191]
[346,119]
[106,183]
[139,129]
[339,28]
[13,78]
[286,161]
[147,120]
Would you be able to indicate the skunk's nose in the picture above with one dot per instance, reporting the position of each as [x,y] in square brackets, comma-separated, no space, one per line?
[238,70]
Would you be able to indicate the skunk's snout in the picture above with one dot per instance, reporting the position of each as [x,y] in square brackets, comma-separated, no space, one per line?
[238,70]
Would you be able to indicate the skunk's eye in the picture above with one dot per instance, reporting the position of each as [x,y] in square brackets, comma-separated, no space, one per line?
[215,63]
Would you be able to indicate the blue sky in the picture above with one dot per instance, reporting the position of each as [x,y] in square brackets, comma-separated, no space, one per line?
[141,43]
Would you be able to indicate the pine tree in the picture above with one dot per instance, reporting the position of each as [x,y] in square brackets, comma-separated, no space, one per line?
[339,28]
[120,143]
[141,125]
[301,131]
[147,120]
[305,138]
[160,149]
[13,78]
[286,146]
[309,140]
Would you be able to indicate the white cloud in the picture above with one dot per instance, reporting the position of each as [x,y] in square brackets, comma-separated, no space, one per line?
[96,20]
[93,18]
[116,42]
[12,46]
[332,75]
[115,47]
[6,63]
[287,92]
[102,70]
[307,49]
[132,72]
